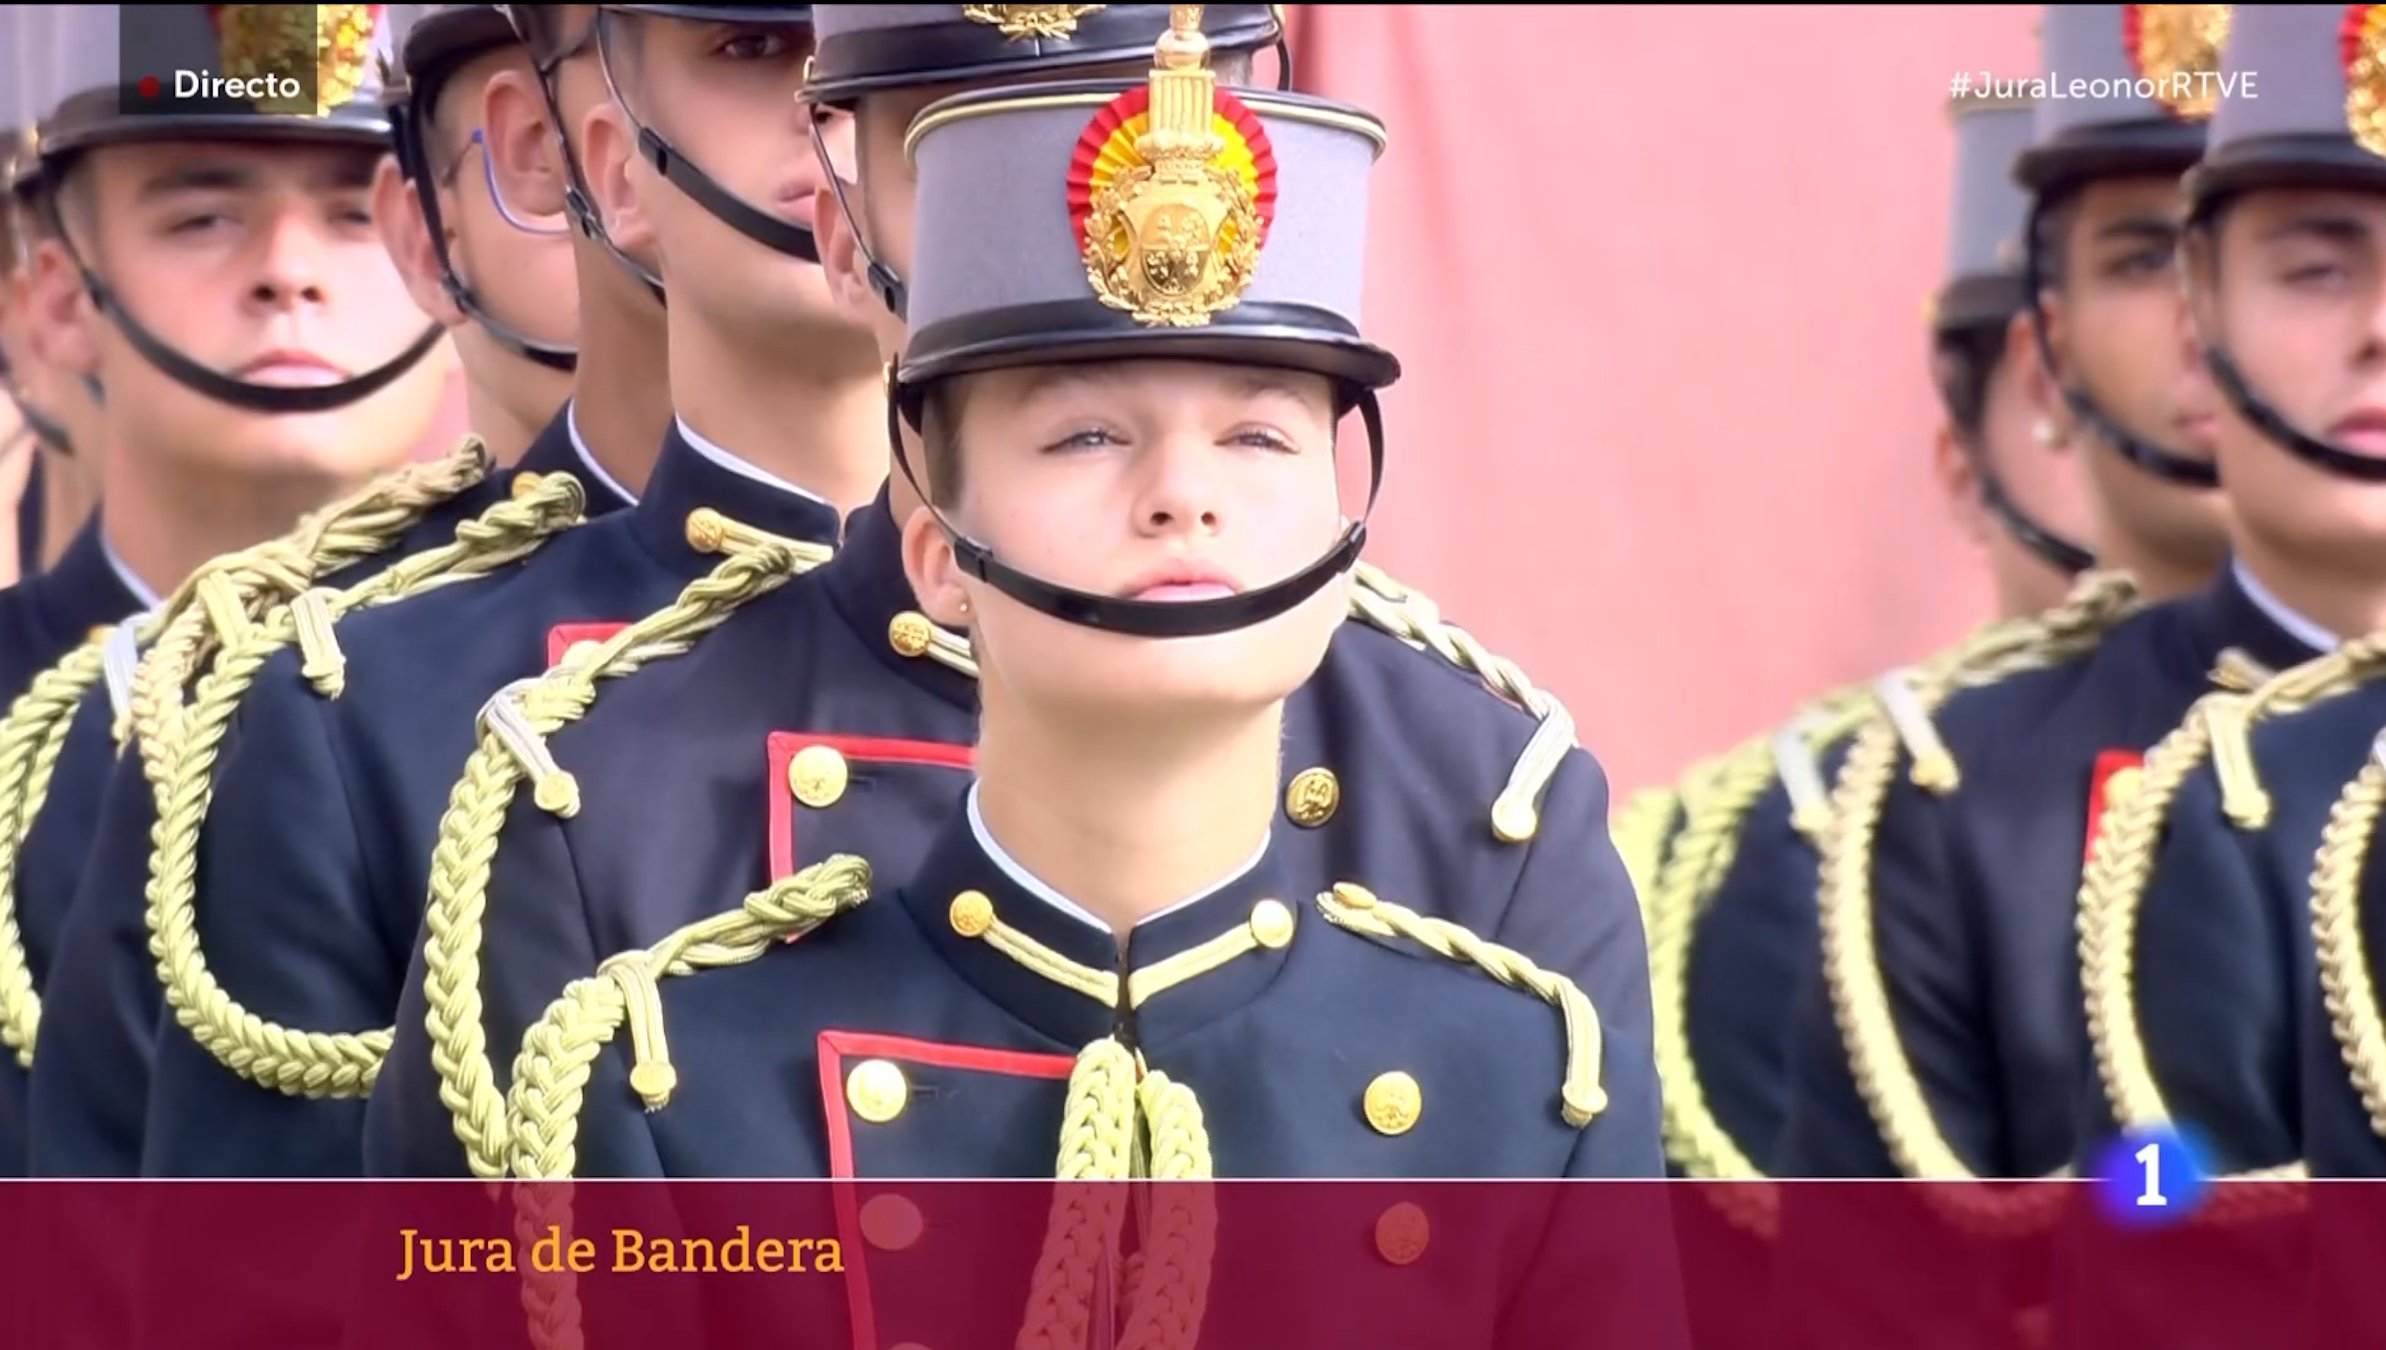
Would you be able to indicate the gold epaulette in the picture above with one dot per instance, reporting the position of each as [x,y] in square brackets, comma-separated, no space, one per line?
[1581,1097]
[222,597]
[298,1061]
[1408,615]
[512,749]
[551,1071]
[1891,1089]
[2121,859]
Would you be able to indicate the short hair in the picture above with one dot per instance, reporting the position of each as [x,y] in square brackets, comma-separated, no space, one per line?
[1963,359]
[940,442]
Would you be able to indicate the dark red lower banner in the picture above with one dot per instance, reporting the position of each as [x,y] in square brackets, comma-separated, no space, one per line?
[936,1265]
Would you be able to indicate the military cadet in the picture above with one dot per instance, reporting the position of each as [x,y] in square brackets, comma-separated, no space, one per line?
[833,716]
[1736,935]
[2204,1001]
[212,267]
[1145,539]
[296,905]
[1947,1021]
[444,216]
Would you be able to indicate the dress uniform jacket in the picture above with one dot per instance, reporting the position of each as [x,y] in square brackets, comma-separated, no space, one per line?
[2224,987]
[105,1006]
[675,825]
[1974,894]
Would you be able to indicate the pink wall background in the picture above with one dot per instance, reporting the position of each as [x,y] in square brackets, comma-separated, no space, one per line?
[1657,278]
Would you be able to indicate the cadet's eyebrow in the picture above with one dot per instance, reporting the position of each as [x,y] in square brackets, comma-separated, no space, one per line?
[200,177]
[2323,227]
[2146,229]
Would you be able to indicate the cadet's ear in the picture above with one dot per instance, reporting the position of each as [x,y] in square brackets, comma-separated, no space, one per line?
[934,573]
[64,323]
[608,147]
[1957,479]
[398,214]
[840,257]
[523,151]
[2049,415]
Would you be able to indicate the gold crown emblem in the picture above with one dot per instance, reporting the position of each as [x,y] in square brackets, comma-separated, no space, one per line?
[335,40]
[1172,189]
[2171,43]
[1030,21]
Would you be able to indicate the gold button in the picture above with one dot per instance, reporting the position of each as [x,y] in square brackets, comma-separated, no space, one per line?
[1402,1233]
[1311,799]
[1393,1103]
[525,483]
[1271,923]
[972,914]
[876,1091]
[817,775]
[2122,784]
[1514,822]
[1354,895]
[706,530]
[891,1223]
[909,633]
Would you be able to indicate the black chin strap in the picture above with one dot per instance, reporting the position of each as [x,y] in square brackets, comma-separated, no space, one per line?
[578,202]
[883,280]
[2154,459]
[781,236]
[2267,420]
[265,398]
[2049,547]
[1157,618]
[414,156]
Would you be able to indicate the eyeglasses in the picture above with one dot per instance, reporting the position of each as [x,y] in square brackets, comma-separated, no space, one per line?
[528,224]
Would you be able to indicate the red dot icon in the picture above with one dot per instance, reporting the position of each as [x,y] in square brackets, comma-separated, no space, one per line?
[149,86]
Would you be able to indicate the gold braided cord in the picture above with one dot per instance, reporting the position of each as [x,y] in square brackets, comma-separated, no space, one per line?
[297,1061]
[1097,1123]
[31,739]
[551,1073]
[2128,839]
[1408,615]
[1581,1098]
[1643,832]
[1099,985]
[467,845]
[1858,988]
[2348,989]
[1161,976]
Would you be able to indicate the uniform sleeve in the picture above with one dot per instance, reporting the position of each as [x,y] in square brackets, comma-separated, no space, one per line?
[286,920]
[101,1009]
[535,940]
[1573,911]
[1921,942]
[2214,970]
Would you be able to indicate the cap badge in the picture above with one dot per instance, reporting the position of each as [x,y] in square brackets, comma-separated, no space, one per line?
[1172,189]
[2169,45]
[2364,50]
[1030,21]
[255,40]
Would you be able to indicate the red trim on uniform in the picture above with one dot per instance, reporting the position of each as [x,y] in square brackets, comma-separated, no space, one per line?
[783,746]
[561,637]
[834,1046]
[2107,764]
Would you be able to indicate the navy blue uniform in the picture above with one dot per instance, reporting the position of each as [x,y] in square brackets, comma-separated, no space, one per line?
[2224,986]
[88,1099]
[1279,1044]
[1975,895]
[42,618]
[674,825]
[29,518]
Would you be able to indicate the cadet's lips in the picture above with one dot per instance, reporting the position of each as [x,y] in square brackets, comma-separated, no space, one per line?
[2363,430]
[1180,581]
[291,367]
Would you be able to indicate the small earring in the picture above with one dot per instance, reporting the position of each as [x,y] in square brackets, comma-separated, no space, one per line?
[965,606]
[2043,431]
